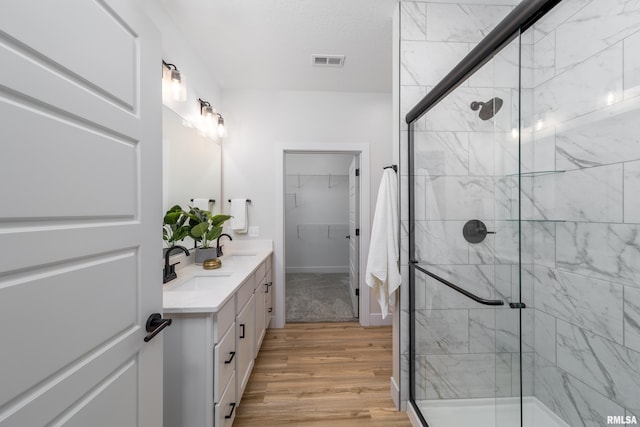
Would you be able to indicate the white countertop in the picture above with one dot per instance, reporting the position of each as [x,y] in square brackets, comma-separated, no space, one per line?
[238,263]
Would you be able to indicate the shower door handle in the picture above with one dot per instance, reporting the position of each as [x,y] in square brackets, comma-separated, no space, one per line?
[457,288]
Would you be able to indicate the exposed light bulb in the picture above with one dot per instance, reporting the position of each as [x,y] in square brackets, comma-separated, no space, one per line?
[176,90]
[222,130]
[208,113]
[173,83]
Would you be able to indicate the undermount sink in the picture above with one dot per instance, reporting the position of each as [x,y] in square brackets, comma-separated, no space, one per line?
[200,283]
[241,255]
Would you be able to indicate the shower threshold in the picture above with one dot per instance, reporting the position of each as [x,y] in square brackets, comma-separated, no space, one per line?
[488,412]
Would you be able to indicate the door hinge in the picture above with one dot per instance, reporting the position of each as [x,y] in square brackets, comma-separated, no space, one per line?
[357,291]
[357,231]
[358,172]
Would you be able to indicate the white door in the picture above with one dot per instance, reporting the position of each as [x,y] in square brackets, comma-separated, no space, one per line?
[354,235]
[80,214]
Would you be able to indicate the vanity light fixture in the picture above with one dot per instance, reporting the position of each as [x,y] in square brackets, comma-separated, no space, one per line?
[212,121]
[206,110]
[222,130]
[173,82]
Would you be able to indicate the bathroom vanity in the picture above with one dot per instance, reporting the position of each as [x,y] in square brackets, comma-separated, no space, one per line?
[219,320]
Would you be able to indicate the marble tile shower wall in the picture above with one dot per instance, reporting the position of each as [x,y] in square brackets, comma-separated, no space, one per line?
[580,199]
[585,203]
[462,168]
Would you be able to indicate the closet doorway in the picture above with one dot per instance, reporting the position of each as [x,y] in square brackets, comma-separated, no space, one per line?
[321,225]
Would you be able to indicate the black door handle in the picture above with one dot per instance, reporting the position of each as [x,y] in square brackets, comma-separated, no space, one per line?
[155,323]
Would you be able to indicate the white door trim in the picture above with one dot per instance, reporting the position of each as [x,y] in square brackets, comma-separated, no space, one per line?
[361,149]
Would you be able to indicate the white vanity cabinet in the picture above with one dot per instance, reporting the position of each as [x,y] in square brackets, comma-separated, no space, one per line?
[197,381]
[264,302]
[269,293]
[211,345]
[245,326]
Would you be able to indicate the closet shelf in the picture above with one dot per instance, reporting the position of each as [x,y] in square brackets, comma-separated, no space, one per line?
[321,175]
[321,227]
[327,175]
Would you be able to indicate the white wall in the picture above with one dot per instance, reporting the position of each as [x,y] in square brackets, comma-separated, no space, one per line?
[317,213]
[201,82]
[261,122]
[258,120]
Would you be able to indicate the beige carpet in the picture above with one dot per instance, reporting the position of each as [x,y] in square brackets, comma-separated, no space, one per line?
[318,297]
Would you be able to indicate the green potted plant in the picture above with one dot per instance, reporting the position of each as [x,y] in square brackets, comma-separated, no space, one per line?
[205,228]
[174,227]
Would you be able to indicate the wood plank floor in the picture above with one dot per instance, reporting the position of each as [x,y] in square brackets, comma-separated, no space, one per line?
[321,374]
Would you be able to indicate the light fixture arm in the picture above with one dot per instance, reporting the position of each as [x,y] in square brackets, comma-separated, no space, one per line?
[169,66]
[205,108]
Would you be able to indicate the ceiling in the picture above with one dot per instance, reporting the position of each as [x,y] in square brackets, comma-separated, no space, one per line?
[267,44]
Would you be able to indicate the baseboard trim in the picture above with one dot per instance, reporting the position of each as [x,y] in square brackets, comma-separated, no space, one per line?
[375,319]
[318,269]
[413,417]
[395,393]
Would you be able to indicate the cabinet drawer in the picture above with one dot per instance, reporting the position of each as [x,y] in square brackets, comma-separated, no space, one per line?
[225,412]
[245,292]
[223,320]
[224,363]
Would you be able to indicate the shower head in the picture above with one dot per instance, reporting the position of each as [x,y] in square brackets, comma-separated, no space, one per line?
[489,108]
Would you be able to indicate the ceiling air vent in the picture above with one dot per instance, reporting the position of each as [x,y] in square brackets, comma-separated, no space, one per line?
[328,60]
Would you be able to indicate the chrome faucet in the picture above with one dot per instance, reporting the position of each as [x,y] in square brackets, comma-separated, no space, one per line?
[169,271]
[218,247]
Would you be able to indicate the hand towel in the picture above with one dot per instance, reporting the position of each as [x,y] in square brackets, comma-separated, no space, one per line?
[382,274]
[239,222]
[202,204]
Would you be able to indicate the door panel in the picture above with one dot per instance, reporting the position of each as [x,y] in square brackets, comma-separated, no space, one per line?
[245,322]
[80,178]
[118,390]
[101,47]
[34,301]
[354,239]
[465,240]
[56,181]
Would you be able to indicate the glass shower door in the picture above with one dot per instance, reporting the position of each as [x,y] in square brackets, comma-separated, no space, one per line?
[465,248]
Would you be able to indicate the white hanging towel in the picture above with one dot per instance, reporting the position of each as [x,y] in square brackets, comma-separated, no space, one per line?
[382,273]
[239,222]
[202,204]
